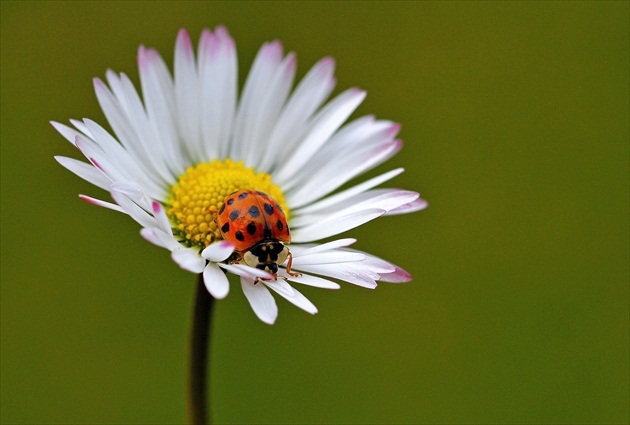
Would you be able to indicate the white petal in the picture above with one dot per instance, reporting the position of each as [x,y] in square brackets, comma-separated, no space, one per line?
[397,276]
[216,282]
[160,238]
[417,205]
[324,125]
[188,259]
[335,225]
[267,113]
[246,271]
[348,193]
[261,300]
[103,204]
[159,100]
[291,124]
[99,159]
[117,154]
[280,286]
[160,216]
[131,208]
[142,136]
[335,173]
[68,133]
[218,251]
[187,95]
[328,258]
[86,171]
[296,298]
[306,249]
[217,67]
[352,140]
[383,199]
[346,272]
[309,280]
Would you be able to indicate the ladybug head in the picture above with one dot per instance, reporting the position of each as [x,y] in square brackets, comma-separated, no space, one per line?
[267,255]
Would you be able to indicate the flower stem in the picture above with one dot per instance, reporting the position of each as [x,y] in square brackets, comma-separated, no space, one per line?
[198,410]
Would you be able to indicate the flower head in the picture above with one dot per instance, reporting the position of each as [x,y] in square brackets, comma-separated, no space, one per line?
[190,140]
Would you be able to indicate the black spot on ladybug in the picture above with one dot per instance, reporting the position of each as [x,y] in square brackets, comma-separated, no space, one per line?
[225,228]
[251,228]
[222,209]
[268,208]
[267,231]
[235,214]
[239,236]
[279,225]
[243,196]
[254,211]
[230,201]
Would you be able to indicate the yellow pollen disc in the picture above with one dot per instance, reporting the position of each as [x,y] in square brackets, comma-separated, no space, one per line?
[196,198]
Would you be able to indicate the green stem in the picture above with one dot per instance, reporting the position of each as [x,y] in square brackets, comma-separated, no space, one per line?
[198,410]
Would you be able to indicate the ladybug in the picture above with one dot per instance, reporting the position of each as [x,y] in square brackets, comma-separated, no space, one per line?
[255,223]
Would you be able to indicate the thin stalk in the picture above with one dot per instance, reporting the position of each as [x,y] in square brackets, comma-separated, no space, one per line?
[198,378]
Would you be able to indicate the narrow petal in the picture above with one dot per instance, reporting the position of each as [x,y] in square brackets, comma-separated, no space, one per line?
[383,199]
[218,251]
[261,300]
[84,170]
[296,298]
[68,133]
[160,238]
[218,79]
[349,193]
[160,215]
[397,276]
[131,208]
[335,225]
[246,271]
[328,258]
[417,205]
[280,286]
[100,203]
[307,249]
[356,277]
[333,174]
[291,125]
[216,282]
[324,125]
[187,98]
[159,101]
[309,280]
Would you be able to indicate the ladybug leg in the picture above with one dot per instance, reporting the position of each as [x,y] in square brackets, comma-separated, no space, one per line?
[289,272]
[236,258]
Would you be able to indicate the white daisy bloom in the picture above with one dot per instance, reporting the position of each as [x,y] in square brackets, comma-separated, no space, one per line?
[190,140]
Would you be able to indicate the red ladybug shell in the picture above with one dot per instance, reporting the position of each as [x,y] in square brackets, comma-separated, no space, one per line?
[248,217]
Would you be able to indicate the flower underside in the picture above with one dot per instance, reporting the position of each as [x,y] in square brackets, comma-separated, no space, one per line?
[198,194]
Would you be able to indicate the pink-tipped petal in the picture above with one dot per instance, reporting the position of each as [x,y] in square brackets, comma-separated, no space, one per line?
[100,203]
[417,205]
[397,276]
[218,251]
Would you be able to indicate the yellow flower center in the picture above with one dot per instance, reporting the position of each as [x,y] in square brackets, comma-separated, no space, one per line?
[197,196]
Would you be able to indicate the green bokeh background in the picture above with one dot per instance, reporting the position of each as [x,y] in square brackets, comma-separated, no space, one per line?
[515,118]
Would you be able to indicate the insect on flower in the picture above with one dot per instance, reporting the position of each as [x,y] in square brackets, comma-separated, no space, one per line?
[255,223]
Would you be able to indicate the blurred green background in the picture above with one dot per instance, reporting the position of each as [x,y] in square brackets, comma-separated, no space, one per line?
[515,118]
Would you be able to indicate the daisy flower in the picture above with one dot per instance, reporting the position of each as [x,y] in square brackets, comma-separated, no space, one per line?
[189,140]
